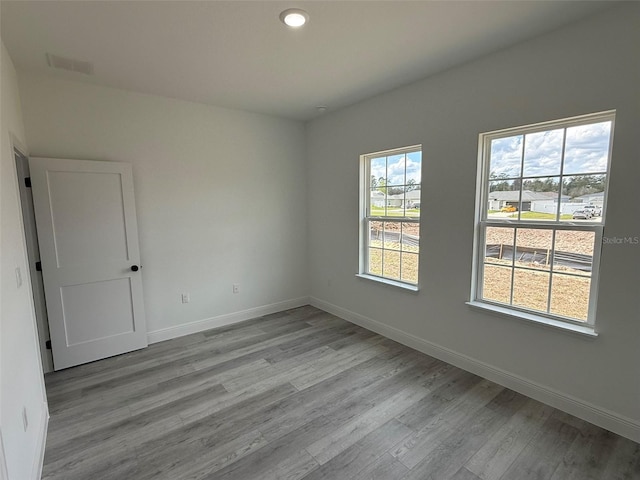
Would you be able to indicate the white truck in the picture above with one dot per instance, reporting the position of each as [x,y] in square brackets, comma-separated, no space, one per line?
[594,209]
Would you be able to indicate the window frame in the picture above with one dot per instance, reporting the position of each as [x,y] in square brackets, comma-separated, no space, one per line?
[482,222]
[365,218]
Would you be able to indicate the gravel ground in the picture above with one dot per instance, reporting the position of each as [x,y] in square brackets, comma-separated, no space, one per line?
[569,294]
[566,241]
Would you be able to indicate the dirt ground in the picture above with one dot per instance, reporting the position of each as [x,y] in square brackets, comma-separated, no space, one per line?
[399,265]
[408,228]
[566,241]
[400,261]
[569,294]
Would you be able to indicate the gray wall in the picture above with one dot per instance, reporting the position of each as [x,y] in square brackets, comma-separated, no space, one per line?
[588,67]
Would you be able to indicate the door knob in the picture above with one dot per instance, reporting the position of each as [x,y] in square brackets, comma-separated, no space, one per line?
[135,268]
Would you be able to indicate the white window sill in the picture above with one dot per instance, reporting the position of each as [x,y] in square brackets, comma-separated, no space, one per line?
[386,281]
[586,330]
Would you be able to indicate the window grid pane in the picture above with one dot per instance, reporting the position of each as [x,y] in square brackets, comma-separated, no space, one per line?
[570,296]
[392,235]
[391,265]
[497,283]
[375,261]
[531,289]
[392,199]
[545,188]
[540,256]
[409,267]
[560,170]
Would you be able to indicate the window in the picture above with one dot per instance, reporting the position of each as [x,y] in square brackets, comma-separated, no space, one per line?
[542,202]
[390,219]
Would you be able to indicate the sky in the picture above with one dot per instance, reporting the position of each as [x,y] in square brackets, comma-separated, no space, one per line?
[393,168]
[586,151]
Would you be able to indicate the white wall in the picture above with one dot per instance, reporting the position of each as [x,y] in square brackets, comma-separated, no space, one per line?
[21,383]
[588,67]
[221,195]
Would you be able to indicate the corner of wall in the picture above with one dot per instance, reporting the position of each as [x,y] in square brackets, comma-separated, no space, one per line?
[22,448]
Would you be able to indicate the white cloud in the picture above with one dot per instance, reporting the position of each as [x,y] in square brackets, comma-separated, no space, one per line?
[379,167]
[587,148]
[414,166]
[506,156]
[398,169]
[586,151]
[543,153]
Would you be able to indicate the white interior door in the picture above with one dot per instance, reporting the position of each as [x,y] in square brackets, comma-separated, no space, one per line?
[88,236]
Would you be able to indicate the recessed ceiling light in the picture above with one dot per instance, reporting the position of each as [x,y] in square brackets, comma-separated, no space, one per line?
[294,17]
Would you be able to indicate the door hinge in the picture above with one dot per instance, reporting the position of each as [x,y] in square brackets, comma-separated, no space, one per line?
[38,266]
[48,344]
[27,182]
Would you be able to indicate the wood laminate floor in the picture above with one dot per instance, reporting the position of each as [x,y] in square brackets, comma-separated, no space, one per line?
[305,395]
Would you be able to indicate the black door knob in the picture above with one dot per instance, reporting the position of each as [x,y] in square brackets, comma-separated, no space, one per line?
[135,268]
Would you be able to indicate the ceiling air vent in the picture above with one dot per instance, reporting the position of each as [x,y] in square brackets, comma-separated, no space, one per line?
[63,63]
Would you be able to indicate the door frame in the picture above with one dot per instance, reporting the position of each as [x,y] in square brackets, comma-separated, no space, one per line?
[15,145]
[33,256]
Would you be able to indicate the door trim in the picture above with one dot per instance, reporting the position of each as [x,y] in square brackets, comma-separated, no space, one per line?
[33,256]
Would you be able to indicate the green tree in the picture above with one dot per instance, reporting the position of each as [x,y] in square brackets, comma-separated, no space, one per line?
[541,185]
[499,186]
[583,184]
[411,185]
[382,185]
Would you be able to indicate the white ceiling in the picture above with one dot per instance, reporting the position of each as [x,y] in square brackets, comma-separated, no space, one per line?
[238,54]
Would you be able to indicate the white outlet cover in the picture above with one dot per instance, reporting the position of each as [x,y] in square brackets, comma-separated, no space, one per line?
[18,277]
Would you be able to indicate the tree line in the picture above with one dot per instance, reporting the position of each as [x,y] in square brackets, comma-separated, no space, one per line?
[572,186]
[380,184]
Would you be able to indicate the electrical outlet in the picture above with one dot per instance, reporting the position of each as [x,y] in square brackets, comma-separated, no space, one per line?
[25,418]
[186,298]
[18,277]
[236,288]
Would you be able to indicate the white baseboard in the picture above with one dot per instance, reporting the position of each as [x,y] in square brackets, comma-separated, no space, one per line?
[223,320]
[599,416]
[42,442]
